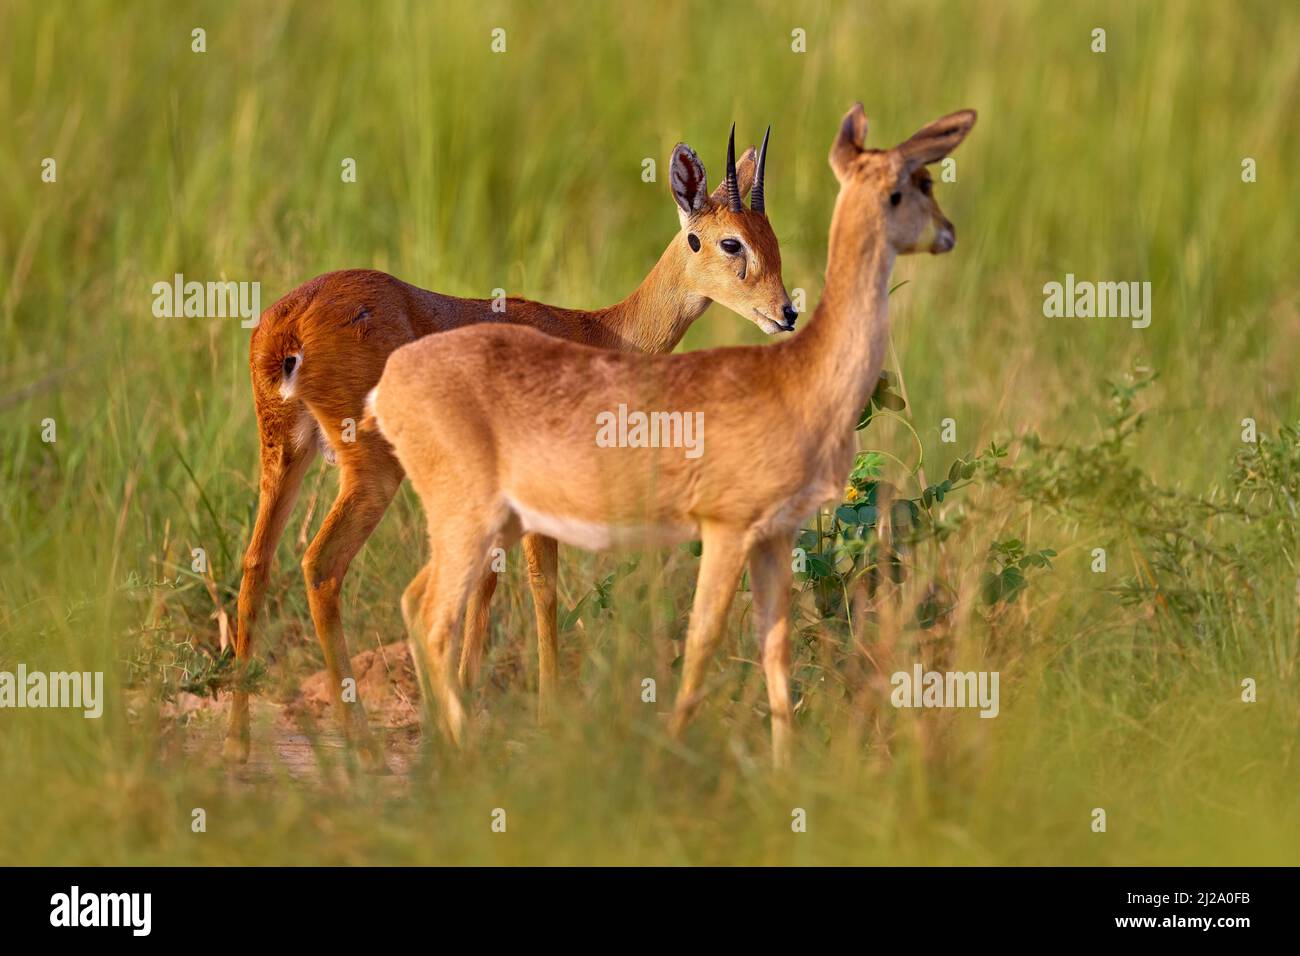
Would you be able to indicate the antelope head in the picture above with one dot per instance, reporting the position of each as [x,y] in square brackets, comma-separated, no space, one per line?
[893,186]
[731,253]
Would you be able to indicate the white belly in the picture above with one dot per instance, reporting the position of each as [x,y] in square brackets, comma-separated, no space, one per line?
[600,536]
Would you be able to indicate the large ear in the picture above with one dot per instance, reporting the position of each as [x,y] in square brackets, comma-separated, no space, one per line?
[689,182]
[745,169]
[849,139]
[936,140]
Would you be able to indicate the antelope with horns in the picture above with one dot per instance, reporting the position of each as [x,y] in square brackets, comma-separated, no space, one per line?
[320,349]
[520,456]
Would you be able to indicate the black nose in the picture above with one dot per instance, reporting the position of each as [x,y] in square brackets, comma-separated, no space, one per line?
[789,314]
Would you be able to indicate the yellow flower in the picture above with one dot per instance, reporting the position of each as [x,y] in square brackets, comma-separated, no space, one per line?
[850,493]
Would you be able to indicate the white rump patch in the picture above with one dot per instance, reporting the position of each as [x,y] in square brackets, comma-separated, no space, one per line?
[372,397]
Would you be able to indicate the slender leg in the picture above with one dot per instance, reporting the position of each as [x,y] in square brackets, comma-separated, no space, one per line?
[476,629]
[369,478]
[459,556]
[283,468]
[413,597]
[770,574]
[413,615]
[542,555]
[720,567]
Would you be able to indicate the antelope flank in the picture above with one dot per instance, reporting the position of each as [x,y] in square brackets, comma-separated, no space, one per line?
[638,429]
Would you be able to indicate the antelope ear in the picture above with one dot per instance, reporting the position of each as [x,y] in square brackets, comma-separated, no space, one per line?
[848,140]
[936,140]
[689,182]
[746,167]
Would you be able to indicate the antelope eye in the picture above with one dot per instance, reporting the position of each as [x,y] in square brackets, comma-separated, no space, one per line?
[925,186]
[730,246]
[895,198]
[694,242]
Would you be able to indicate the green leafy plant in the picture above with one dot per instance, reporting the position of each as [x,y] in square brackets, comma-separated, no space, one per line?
[181,666]
[1199,555]
[876,529]
[1011,565]
[599,601]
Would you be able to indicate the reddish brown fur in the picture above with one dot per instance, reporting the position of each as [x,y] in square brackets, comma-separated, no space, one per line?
[345,324]
[779,440]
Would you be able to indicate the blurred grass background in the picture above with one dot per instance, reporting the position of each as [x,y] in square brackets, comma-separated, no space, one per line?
[523,170]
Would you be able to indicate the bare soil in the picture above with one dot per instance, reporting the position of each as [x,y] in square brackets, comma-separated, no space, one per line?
[299,738]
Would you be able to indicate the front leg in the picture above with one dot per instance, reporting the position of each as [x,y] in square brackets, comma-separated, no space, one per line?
[720,566]
[770,573]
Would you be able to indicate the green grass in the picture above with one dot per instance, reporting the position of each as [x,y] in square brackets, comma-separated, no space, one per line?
[523,170]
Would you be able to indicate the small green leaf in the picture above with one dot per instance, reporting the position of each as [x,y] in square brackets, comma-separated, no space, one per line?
[819,567]
[990,587]
[573,614]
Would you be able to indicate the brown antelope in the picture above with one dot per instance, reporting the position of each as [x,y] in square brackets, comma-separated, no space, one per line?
[495,456]
[320,349]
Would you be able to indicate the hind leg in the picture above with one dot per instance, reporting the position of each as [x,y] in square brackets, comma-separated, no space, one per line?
[369,477]
[476,628]
[542,555]
[460,549]
[283,468]
[476,619]
[413,597]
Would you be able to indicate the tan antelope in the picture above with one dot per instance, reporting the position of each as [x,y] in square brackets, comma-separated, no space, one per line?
[494,456]
[320,349]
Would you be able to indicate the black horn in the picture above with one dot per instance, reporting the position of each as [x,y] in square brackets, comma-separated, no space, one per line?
[756,198]
[733,184]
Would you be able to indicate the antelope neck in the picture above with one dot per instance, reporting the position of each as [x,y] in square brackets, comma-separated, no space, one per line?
[843,348]
[659,311]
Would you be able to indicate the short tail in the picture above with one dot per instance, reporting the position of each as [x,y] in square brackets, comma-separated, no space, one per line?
[290,369]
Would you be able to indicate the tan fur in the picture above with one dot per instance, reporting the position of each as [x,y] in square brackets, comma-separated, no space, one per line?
[493,456]
[339,329]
